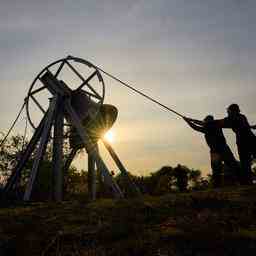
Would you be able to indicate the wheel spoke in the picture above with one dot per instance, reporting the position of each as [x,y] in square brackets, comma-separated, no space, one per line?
[93,95]
[75,71]
[37,90]
[37,103]
[81,77]
[59,69]
[87,80]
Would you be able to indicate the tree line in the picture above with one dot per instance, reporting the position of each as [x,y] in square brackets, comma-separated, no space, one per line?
[165,180]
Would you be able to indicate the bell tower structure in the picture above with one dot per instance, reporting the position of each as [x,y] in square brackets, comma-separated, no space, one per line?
[69,94]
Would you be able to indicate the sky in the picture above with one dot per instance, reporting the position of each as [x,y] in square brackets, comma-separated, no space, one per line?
[195,56]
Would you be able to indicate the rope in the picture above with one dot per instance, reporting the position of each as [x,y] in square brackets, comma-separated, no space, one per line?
[114,78]
[13,124]
[25,134]
[127,85]
[139,92]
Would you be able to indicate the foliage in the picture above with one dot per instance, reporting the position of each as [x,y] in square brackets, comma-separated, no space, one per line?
[168,180]
[76,182]
[165,180]
[11,152]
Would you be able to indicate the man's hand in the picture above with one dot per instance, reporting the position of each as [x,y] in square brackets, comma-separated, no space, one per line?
[187,119]
[194,124]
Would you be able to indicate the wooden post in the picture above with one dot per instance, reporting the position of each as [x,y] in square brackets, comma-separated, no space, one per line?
[91,177]
[121,167]
[41,149]
[57,158]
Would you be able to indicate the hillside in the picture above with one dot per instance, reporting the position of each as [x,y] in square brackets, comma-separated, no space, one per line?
[214,222]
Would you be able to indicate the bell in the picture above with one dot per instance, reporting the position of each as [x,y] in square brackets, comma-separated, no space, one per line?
[95,119]
[84,106]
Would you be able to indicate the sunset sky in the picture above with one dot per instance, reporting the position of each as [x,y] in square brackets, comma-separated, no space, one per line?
[196,56]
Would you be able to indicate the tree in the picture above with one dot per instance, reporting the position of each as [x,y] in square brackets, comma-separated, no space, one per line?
[194,177]
[168,179]
[76,182]
[181,175]
[11,152]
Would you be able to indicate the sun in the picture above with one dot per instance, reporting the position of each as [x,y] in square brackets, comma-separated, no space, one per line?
[109,136]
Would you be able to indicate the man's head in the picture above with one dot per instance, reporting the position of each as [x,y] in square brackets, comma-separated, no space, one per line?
[233,110]
[208,118]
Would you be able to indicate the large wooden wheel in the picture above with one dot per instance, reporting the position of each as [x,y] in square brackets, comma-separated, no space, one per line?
[76,73]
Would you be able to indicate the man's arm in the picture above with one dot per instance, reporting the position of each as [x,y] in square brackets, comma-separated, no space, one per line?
[246,122]
[195,121]
[226,123]
[222,123]
[194,126]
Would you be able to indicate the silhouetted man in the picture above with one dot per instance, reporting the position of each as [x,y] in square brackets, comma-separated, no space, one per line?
[245,140]
[219,150]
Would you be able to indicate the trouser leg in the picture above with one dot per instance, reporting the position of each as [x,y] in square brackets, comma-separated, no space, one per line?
[253,170]
[245,161]
[233,172]
[216,164]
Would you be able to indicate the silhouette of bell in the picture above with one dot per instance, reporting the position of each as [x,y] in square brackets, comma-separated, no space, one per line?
[95,119]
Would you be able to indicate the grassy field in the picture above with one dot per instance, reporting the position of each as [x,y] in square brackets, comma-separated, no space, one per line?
[214,222]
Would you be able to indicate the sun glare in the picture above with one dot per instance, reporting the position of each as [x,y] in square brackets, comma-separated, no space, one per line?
[109,136]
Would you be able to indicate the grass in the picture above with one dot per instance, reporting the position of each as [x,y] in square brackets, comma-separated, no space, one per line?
[214,222]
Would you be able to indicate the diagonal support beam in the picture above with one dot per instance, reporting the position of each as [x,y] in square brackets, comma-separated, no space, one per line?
[69,161]
[91,149]
[54,86]
[21,164]
[67,164]
[121,167]
[41,149]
